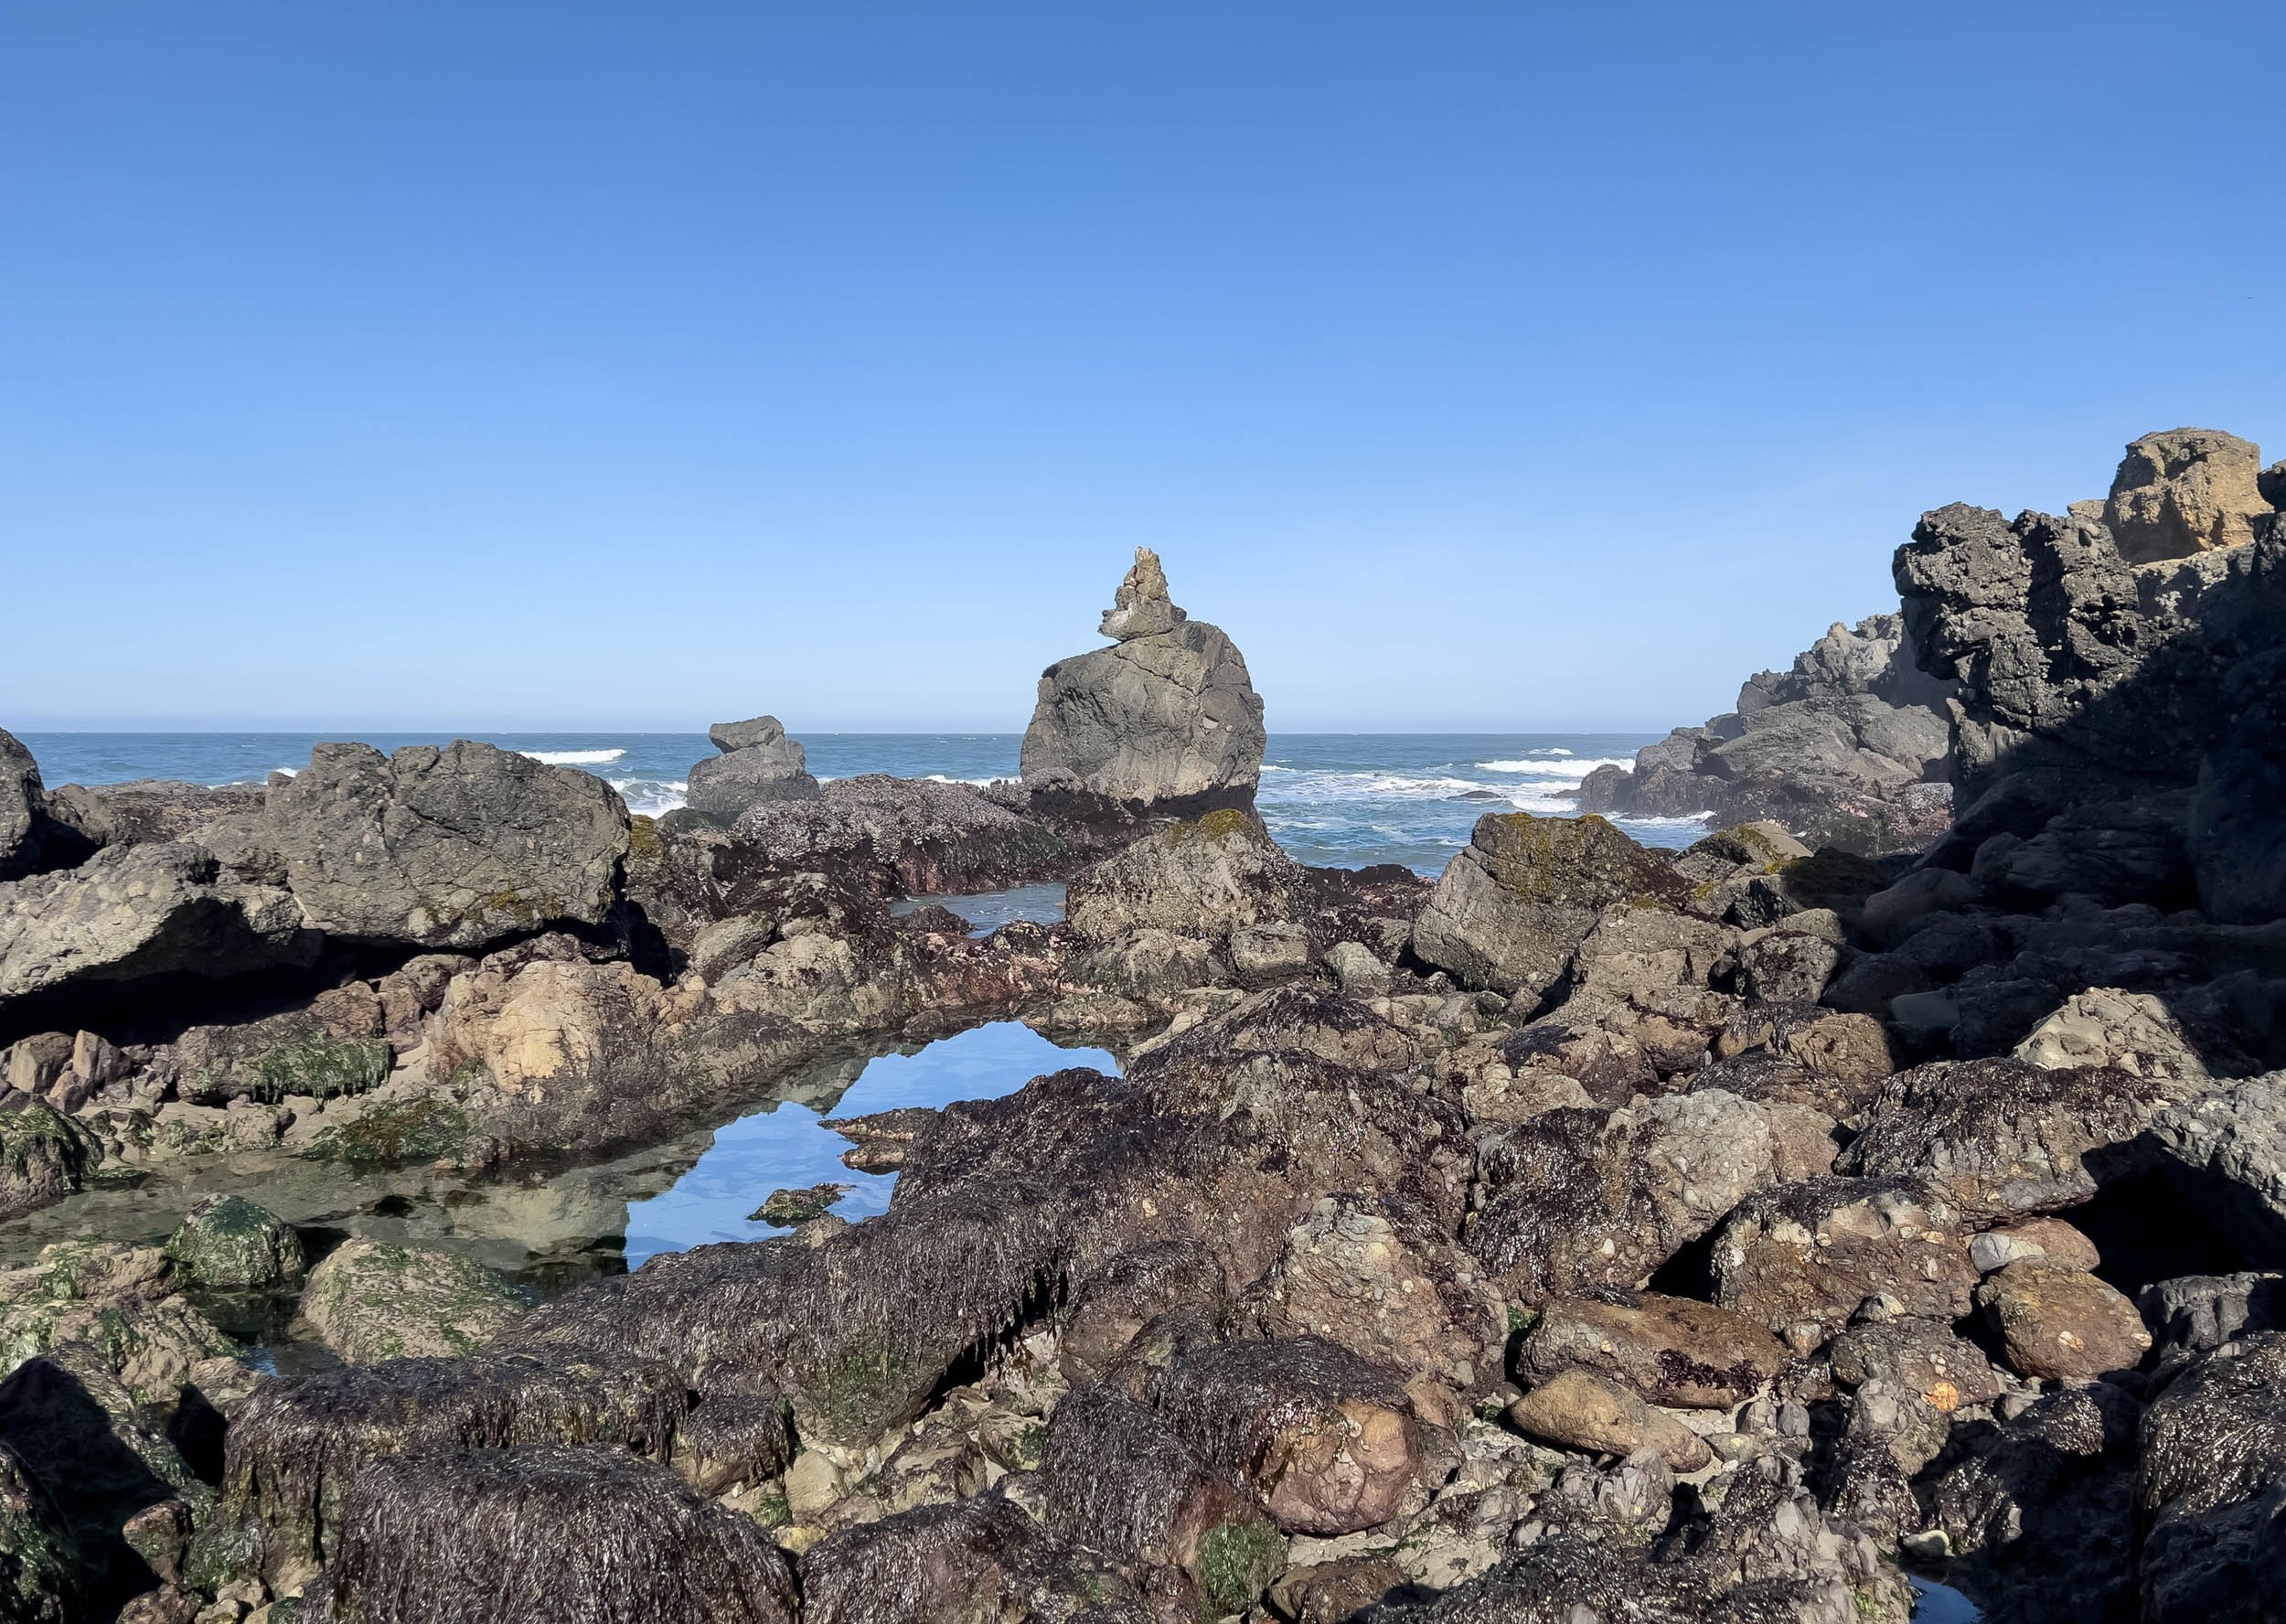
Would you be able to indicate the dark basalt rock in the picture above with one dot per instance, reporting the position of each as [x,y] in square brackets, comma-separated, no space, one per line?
[758,764]
[2211,1494]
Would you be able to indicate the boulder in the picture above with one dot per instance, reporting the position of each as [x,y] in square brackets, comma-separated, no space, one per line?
[2212,1491]
[44,1156]
[2185,491]
[454,848]
[147,811]
[623,1539]
[1221,874]
[1669,1349]
[1509,910]
[369,1300]
[1579,1409]
[142,912]
[880,836]
[228,1242]
[1803,1259]
[2228,1150]
[979,1561]
[2105,1026]
[39,1563]
[2058,1323]
[1921,1358]
[1164,719]
[23,810]
[2047,1239]
[124,1301]
[758,763]
[1327,1440]
[2004,1135]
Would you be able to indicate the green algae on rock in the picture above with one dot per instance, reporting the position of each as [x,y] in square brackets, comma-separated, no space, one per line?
[371,1301]
[228,1242]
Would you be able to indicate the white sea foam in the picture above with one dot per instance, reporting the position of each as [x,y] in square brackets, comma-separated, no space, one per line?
[944,778]
[653,797]
[573,758]
[1575,769]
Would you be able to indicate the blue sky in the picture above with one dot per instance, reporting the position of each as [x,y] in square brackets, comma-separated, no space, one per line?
[1499,366]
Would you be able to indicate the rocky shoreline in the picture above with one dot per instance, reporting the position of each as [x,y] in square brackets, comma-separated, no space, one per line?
[1896,1179]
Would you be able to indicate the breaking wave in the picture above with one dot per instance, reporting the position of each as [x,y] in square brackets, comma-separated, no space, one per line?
[573,758]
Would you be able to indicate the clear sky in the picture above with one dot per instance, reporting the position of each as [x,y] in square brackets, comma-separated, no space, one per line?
[1475,365]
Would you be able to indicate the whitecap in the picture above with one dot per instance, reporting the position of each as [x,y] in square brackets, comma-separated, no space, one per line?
[652,797]
[1574,768]
[943,778]
[573,758]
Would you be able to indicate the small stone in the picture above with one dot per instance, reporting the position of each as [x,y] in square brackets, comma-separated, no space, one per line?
[2050,1238]
[1581,1410]
[788,1209]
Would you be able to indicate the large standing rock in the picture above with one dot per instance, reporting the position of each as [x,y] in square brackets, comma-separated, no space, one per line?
[1205,879]
[1509,910]
[2185,491]
[136,913]
[1164,718]
[456,847]
[758,763]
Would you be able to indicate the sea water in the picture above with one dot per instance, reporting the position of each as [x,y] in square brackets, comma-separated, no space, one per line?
[1344,800]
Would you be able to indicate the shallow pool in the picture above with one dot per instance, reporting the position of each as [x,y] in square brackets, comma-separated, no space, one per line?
[987,910]
[782,1147]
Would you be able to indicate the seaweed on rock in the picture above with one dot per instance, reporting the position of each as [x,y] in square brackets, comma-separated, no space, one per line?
[298,1447]
[547,1535]
[978,1561]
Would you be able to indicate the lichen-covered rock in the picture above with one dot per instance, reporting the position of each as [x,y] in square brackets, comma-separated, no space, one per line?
[369,1301]
[139,913]
[2062,1324]
[1164,719]
[2005,1136]
[758,763]
[1803,1259]
[1206,879]
[1510,909]
[567,1536]
[1670,1350]
[1328,1440]
[1388,1289]
[1579,1409]
[228,1242]
[1574,1201]
[452,848]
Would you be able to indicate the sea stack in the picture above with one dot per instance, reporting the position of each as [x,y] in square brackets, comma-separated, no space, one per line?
[1165,720]
[758,764]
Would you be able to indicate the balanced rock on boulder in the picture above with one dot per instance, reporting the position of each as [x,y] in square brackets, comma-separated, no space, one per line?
[758,763]
[1165,719]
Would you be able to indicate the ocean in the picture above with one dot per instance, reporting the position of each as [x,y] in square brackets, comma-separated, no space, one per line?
[1336,799]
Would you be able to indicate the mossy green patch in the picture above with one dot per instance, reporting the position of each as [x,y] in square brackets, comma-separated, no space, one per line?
[406,1130]
[324,1067]
[861,1389]
[1236,1563]
[644,845]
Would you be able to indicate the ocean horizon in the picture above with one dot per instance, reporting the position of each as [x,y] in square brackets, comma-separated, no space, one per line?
[1337,799]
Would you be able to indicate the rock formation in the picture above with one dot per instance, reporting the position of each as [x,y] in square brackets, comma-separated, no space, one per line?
[1163,721]
[758,763]
[1847,749]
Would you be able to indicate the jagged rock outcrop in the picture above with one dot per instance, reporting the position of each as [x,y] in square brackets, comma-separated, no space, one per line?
[758,764]
[892,836]
[23,808]
[1165,719]
[1847,749]
[2119,689]
[459,846]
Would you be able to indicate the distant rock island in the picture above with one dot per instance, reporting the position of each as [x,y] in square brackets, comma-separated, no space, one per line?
[1891,1183]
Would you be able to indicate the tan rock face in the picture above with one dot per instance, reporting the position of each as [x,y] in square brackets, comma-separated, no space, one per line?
[2105,1026]
[1671,1350]
[2184,491]
[1803,1259]
[1581,1410]
[2060,1323]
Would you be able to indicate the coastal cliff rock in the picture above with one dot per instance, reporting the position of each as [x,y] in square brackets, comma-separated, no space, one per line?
[2119,689]
[1165,719]
[1846,749]
[23,808]
[452,848]
[758,763]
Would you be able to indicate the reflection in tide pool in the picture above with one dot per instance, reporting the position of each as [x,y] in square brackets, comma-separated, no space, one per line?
[782,1147]
[1940,1604]
[987,910]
